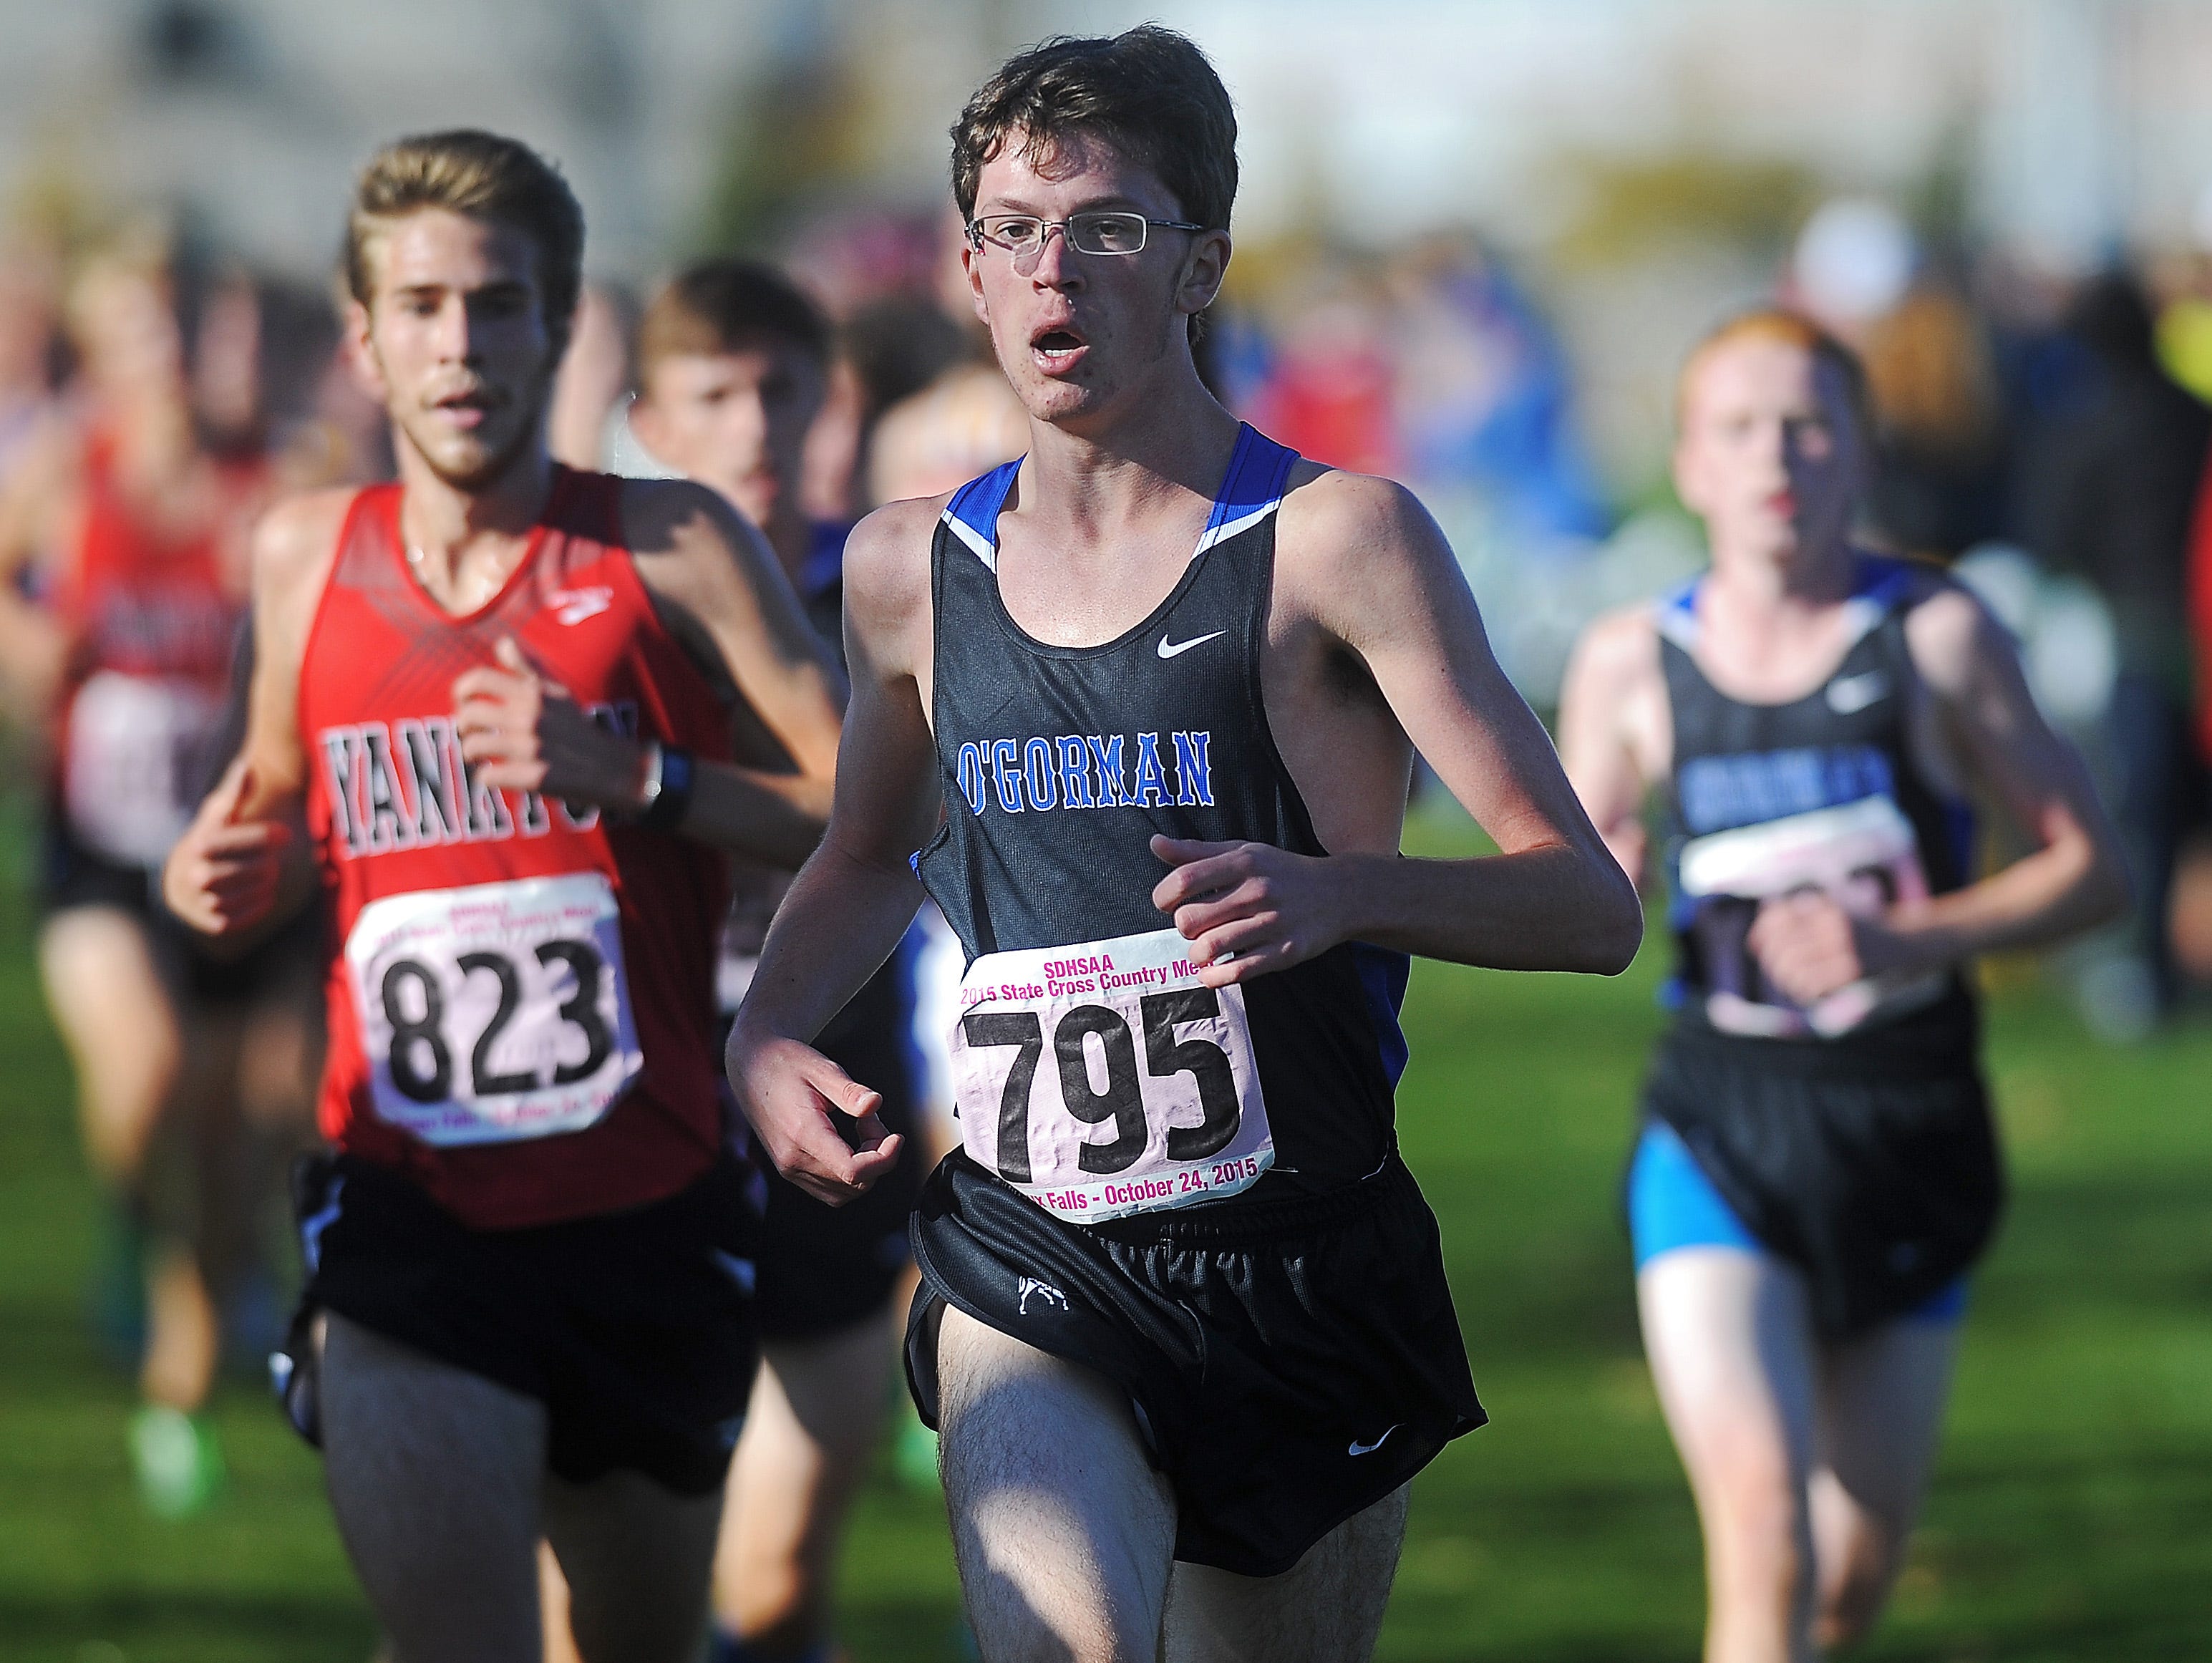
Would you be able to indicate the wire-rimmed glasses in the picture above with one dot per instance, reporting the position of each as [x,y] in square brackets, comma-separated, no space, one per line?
[1098,231]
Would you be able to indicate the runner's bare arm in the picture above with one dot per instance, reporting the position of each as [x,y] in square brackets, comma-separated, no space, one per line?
[854,899]
[2072,880]
[1361,561]
[33,643]
[243,863]
[1612,700]
[704,563]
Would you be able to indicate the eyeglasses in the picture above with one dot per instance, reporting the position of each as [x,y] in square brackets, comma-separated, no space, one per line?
[1102,231]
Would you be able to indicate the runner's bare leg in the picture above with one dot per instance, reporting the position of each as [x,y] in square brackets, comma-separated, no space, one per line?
[818,1408]
[434,1474]
[1063,1531]
[637,1557]
[1881,1418]
[1730,1341]
[1328,1608]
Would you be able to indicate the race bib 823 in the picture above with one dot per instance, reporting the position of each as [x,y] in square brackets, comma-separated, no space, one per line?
[497,1012]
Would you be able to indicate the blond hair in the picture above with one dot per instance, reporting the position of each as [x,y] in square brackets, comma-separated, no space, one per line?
[1774,322]
[486,177]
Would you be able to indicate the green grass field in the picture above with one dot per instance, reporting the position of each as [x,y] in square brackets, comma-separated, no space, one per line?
[2071,1519]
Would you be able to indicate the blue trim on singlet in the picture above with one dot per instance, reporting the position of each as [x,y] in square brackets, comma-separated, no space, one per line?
[977,504]
[1251,486]
[1672,1204]
[1877,580]
[1383,977]
[825,565]
[907,959]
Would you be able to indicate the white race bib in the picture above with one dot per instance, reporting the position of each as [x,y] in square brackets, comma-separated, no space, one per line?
[1864,856]
[495,1013]
[1105,1078]
[138,746]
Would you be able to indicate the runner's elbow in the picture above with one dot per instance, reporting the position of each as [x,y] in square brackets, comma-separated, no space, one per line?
[1616,924]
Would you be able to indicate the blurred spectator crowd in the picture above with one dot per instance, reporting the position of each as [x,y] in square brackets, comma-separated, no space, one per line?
[2046,435]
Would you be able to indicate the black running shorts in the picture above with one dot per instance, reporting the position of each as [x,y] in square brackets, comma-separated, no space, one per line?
[1871,1164]
[73,874]
[632,1329]
[1291,1362]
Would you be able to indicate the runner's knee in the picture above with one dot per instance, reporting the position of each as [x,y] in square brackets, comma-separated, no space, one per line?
[1856,1587]
[1756,1543]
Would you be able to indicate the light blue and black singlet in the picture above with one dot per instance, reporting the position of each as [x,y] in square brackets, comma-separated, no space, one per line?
[1060,763]
[1868,1157]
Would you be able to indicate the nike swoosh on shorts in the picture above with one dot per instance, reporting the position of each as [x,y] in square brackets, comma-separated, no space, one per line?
[1170,649]
[1359,1448]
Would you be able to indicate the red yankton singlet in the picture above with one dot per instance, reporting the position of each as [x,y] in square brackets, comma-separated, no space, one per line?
[521,996]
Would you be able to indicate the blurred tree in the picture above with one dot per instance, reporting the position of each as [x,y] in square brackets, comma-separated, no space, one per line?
[1628,206]
[797,135]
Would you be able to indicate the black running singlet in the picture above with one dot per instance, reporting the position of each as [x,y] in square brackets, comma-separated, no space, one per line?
[1822,792]
[1093,1072]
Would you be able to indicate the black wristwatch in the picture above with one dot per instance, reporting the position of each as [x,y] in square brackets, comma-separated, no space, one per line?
[667,795]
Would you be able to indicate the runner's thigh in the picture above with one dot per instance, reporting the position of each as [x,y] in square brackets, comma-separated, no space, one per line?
[117,1015]
[817,1406]
[637,1556]
[434,1474]
[1063,1531]
[1328,1608]
[1881,1411]
[1732,1354]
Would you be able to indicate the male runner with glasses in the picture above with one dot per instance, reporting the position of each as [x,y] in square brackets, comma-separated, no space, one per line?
[1145,703]
[499,691]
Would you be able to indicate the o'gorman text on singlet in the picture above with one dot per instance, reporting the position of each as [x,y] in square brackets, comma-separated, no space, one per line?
[1088,771]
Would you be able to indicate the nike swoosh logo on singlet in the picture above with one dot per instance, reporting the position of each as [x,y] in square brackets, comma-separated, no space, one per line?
[1359,1448]
[1170,649]
[1849,694]
[575,605]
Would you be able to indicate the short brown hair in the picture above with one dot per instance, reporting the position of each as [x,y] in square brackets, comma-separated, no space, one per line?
[1775,323]
[486,177]
[1150,92]
[724,306]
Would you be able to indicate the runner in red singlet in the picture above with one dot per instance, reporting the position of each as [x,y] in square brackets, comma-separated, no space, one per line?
[500,695]
[122,542]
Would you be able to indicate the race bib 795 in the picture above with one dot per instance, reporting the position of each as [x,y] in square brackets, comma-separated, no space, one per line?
[1104,1079]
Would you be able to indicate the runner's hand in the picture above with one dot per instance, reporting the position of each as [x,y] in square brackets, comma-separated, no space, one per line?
[788,1092]
[1809,946]
[1248,908]
[222,877]
[520,730]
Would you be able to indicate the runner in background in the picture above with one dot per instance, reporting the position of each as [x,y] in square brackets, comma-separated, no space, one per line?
[1817,1171]
[132,527]
[733,363]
